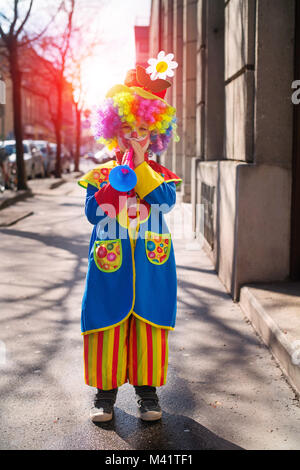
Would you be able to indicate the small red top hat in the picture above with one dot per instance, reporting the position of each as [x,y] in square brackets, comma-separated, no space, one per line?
[149,83]
[139,77]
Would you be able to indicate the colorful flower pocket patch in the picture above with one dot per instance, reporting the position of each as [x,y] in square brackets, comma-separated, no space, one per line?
[101,176]
[158,247]
[108,255]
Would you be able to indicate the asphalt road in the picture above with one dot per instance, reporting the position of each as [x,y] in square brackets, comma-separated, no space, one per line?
[224,389]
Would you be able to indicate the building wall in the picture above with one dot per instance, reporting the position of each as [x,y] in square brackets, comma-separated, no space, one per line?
[177,91]
[36,117]
[189,92]
[233,88]
[254,222]
[155,30]
[142,45]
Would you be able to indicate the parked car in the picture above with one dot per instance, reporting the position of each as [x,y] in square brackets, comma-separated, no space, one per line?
[8,171]
[9,147]
[65,160]
[48,160]
[90,156]
[37,158]
[52,156]
[32,157]
[102,156]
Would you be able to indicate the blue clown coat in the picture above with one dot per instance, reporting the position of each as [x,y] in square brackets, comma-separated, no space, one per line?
[131,267]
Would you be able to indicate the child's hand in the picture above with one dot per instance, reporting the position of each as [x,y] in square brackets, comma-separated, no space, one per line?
[138,153]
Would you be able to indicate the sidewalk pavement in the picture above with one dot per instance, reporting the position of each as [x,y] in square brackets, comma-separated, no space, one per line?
[235,380]
[224,389]
[273,308]
[37,185]
[274,311]
[11,212]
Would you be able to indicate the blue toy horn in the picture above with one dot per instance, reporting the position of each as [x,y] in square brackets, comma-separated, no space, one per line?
[122,177]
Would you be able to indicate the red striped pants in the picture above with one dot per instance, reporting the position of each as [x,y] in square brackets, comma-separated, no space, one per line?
[133,351]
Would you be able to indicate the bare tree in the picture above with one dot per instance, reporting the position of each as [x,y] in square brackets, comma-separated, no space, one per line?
[79,58]
[57,49]
[62,54]
[11,41]
[79,104]
[67,54]
[14,37]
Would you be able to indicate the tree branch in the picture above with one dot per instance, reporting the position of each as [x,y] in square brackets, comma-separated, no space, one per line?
[69,31]
[39,35]
[11,29]
[25,19]
[3,35]
[4,17]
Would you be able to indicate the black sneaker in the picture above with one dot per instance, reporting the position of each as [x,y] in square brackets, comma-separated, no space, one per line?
[148,405]
[103,405]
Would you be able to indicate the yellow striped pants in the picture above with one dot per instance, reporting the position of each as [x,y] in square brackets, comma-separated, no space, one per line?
[133,351]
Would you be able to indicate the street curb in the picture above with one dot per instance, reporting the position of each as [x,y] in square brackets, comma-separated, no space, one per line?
[20,196]
[58,183]
[25,193]
[14,219]
[272,336]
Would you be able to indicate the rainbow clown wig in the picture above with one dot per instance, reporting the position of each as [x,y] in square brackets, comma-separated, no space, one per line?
[134,104]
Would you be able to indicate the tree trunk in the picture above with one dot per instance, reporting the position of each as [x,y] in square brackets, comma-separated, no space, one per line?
[58,151]
[78,138]
[58,130]
[17,115]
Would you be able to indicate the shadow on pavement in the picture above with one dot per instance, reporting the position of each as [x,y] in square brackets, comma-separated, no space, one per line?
[172,432]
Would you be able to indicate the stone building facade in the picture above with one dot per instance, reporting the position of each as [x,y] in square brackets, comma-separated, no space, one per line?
[238,155]
[141,35]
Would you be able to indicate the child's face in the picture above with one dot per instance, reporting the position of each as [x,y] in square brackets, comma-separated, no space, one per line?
[138,132]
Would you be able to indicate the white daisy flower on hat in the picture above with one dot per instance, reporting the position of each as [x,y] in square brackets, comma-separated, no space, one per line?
[162,66]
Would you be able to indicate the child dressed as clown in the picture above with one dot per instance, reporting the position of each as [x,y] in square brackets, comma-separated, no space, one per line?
[130,296]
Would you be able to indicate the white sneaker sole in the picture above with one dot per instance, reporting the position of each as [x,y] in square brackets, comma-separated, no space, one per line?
[150,415]
[101,417]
